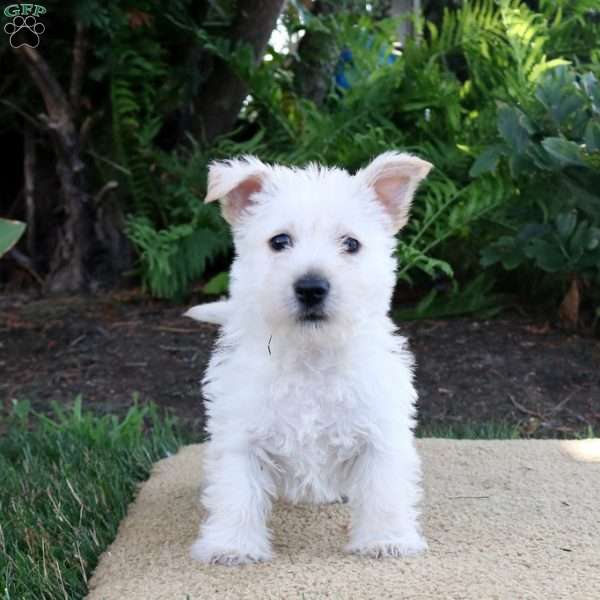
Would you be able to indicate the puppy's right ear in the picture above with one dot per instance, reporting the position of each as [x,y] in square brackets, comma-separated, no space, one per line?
[234,182]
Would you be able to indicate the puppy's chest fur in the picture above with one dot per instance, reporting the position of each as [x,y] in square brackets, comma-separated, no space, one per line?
[305,419]
[313,431]
[316,422]
[306,415]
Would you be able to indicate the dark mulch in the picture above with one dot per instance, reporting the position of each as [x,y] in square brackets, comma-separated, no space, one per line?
[113,349]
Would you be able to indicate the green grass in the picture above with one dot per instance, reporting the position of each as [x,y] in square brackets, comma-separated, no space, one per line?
[495,431]
[66,483]
[470,431]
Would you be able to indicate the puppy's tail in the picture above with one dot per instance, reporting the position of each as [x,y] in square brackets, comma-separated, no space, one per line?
[212,312]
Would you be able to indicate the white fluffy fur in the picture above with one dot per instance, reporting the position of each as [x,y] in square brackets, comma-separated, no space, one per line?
[310,411]
[211,312]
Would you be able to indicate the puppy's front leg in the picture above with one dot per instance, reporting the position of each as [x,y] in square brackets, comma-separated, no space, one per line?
[237,497]
[384,493]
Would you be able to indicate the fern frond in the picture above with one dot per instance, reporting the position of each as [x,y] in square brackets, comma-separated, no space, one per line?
[175,256]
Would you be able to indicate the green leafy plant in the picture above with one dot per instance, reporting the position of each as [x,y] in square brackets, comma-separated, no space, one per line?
[176,250]
[437,97]
[461,93]
[217,285]
[175,256]
[551,146]
[175,236]
[444,212]
[476,298]
[10,232]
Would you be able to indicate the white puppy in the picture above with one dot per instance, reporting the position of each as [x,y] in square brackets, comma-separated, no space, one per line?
[310,392]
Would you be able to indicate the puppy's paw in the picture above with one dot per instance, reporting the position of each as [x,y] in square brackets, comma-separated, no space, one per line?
[384,547]
[336,499]
[212,554]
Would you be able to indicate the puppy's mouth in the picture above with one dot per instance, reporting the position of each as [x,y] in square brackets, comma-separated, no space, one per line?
[314,316]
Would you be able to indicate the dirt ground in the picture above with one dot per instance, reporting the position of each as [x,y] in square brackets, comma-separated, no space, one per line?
[112,349]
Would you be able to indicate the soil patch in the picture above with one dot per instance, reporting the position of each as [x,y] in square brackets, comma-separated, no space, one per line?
[113,349]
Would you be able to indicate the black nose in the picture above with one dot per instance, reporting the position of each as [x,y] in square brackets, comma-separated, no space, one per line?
[311,290]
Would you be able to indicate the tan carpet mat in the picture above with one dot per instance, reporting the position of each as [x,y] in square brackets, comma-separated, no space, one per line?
[504,519]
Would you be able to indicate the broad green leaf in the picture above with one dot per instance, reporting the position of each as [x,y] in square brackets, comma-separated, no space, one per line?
[590,260]
[546,255]
[593,239]
[541,158]
[591,85]
[514,127]
[561,96]
[532,230]
[542,67]
[592,136]
[592,160]
[520,164]
[568,107]
[488,160]
[218,285]
[588,197]
[579,239]
[504,250]
[568,153]
[565,224]
[10,232]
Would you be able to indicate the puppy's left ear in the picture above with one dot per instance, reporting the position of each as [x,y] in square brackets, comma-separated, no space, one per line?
[394,177]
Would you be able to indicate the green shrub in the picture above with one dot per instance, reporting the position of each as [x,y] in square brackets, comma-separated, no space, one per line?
[439,98]
[550,147]
[175,252]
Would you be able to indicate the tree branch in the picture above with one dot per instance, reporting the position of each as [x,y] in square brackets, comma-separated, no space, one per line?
[26,263]
[55,99]
[29,177]
[317,55]
[78,66]
[71,255]
[109,186]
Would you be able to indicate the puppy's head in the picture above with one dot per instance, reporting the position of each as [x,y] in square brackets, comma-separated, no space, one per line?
[314,246]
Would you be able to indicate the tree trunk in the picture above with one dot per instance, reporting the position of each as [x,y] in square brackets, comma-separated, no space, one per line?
[69,263]
[405,8]
[69,269]
[29,180]
[220,100]
[318,54]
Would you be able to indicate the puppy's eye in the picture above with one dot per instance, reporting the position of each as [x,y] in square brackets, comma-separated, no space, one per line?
[280,242]
[351,246]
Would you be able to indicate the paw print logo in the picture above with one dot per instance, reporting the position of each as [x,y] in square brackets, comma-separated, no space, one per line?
[24,31]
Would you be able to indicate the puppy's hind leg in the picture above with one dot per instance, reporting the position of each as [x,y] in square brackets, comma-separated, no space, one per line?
[237,497]
[384,492]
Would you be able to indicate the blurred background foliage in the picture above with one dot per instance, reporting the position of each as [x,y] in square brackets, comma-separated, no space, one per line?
[502,96]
